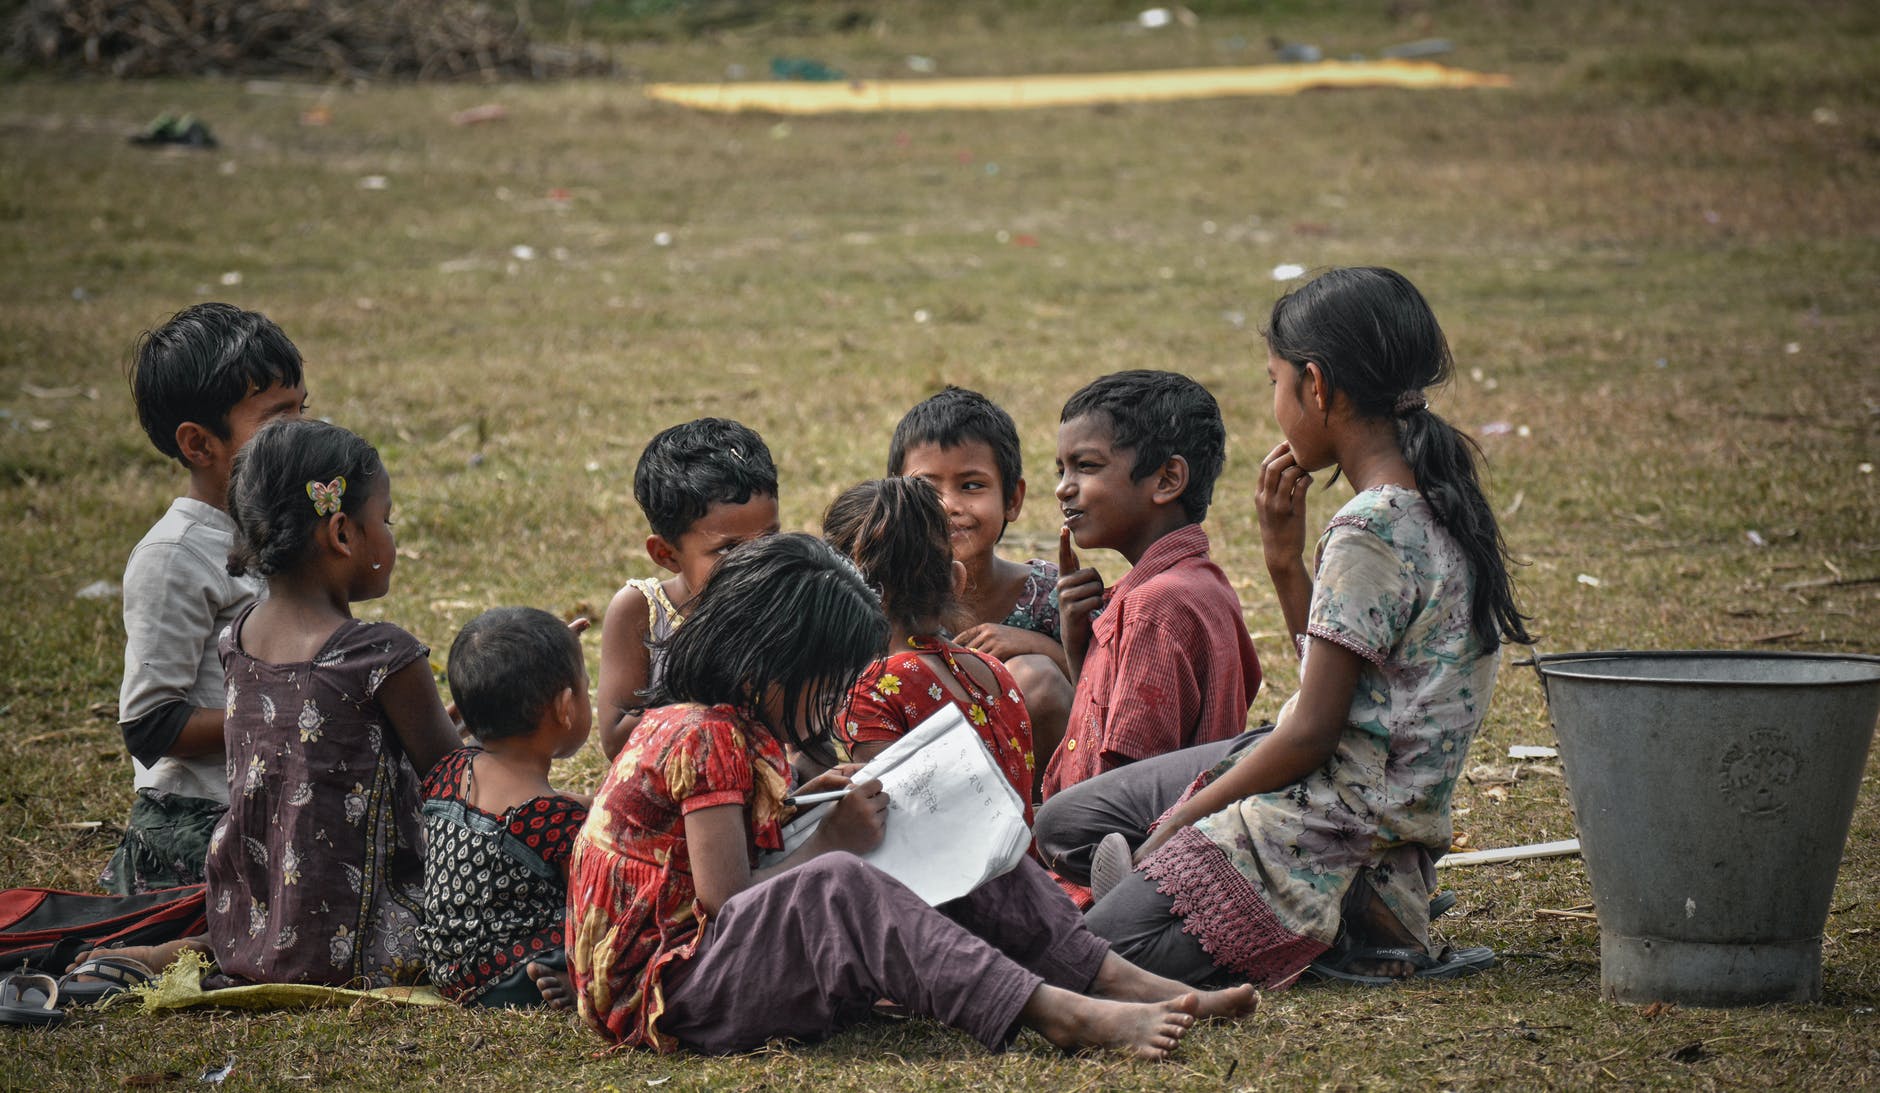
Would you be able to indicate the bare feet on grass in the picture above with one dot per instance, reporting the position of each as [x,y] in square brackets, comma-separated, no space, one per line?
[1119,979]
[553,983]
[1146,1030]
[154,957]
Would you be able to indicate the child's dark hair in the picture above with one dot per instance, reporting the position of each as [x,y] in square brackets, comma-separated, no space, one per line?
[1160,415]
[784,611]
[202,362]
[954,417]
[268,496]
[896,531]
[508,665]
[687,468]
[1374,337]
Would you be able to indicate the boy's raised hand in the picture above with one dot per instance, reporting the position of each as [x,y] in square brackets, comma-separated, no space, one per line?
[1080,593]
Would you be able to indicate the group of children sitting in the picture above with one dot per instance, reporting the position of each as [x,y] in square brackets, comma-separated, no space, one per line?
[354,830]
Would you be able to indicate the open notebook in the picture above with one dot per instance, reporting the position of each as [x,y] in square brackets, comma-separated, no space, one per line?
[954,822]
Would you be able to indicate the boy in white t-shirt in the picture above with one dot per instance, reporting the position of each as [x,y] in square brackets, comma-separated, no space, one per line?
[203,383]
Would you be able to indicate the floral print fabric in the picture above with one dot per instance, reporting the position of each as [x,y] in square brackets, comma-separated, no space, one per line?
[896,693]
[495,887]
[632,903]
[316,873]
[1037,606]
[1261,883]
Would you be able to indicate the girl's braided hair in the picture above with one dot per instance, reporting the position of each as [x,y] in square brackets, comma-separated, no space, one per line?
[268,496]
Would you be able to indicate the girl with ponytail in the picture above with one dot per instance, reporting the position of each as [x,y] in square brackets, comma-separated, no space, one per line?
[1310,848]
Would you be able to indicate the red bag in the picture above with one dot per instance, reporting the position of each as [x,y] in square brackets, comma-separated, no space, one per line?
[44,929]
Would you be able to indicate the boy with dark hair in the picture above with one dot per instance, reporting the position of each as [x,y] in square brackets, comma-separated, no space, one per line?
[705,487]
[497,834]
[966,447]
[203,383]
[1168,663]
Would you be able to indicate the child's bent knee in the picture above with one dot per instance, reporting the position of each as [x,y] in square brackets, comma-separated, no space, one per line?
[1041,682]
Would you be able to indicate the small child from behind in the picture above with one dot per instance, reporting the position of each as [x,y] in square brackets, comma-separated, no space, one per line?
[203,383]
[966,447]
[497,834]
[705,486]
[1169,662]
[895,531]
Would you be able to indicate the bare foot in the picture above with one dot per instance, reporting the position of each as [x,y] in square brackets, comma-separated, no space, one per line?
[1119,979]
[154,957]
[553,983]
[1147,1030]
[1227,1004]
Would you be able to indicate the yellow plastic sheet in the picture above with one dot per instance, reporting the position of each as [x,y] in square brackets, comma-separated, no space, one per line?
[180,987]
[1027,92]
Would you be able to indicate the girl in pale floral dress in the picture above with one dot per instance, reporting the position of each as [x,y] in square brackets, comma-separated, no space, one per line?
[1311,846]
[316,874]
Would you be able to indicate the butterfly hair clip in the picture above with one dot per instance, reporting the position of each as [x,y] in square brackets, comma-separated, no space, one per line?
[326,497]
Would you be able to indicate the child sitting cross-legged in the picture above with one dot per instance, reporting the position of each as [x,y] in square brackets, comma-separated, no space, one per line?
[497,834]
[894,530]
[679,938]
[966,447]
[704,486]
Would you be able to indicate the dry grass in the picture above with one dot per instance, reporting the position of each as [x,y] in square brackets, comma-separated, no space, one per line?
[1626,246]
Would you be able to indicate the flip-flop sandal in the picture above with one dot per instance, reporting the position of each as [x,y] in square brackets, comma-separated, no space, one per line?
[30,1000]
[106,976]
[1440,903]
[1450,964]
[1109,865]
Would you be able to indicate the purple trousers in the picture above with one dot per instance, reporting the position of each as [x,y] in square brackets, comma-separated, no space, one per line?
[812,949]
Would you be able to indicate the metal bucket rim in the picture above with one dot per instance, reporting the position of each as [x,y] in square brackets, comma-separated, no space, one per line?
[1551,665]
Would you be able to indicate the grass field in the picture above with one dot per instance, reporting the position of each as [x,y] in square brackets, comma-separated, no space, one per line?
[1656,257]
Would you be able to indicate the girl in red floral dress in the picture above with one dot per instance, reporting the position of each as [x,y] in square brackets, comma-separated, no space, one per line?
[896,531]
[676,938]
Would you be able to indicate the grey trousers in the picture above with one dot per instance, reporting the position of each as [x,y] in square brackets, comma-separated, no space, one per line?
[1137,920]
[812,949]
[1129,800]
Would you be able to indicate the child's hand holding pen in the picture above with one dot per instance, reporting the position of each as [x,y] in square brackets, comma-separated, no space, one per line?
[857,821]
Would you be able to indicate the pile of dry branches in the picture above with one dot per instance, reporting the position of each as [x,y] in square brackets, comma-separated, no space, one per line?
[323,39]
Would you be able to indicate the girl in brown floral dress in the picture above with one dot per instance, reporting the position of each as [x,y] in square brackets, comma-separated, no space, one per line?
[316,873]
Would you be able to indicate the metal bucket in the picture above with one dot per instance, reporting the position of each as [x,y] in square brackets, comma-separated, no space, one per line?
[1713,793]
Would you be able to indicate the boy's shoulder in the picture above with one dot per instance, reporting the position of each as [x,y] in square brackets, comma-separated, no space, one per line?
[185,554]
[1183,580]
[192,524]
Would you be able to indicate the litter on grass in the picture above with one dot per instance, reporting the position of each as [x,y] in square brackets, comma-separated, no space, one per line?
[1560,849]
[793,94]
[1532,751]
[97,590]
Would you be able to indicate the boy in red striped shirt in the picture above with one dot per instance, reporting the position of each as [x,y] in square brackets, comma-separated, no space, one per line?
[1162,660]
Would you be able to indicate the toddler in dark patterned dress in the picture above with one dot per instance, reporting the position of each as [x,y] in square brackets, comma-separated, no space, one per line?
[497,834]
